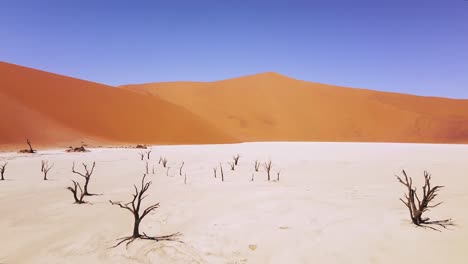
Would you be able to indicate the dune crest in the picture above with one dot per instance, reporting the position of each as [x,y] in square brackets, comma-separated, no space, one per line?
[51,108]
[272,107]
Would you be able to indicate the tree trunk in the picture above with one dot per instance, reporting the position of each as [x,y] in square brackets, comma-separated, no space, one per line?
[136,227]
[85,189]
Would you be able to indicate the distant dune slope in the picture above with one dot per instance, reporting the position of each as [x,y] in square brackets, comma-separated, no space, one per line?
[52,108]
[272,107]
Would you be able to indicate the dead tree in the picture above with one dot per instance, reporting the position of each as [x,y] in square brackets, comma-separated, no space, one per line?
[160,160]
[30,150]
[153,169]
[214,171]
[77,196]
[148,154]
[167,171]
[87,175]
[45,168]
[185,178]
[142,155]
[267,166]
[236,159]
[232,165]
[134,207]
[77,149]
[164,162]
[222,173]
[2,170]
[278,175]
[180,169]
[252,177]
[257,165]
[147,169]
[418,206]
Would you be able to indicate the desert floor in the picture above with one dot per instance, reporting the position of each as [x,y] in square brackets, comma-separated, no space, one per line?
[334,203]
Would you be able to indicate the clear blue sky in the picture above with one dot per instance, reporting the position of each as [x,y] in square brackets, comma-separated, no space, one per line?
[409,46]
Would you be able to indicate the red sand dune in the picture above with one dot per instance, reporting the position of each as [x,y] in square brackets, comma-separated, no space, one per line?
[272,107]
[54,110]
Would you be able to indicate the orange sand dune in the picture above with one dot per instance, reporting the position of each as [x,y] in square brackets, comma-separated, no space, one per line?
[272,107]
[49,108]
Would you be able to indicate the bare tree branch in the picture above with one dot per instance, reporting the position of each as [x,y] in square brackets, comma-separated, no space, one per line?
[134,207]
[2,170]
[417,206]
[86,175]
[45,168]
[267,166]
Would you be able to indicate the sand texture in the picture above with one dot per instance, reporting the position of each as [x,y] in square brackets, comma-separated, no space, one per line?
[334,203]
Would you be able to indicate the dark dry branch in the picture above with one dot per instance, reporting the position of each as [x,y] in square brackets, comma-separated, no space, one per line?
[45,168]
[134,207]
[86,175]
[236,159]
[232,165]
[164,162]
[30,150]
[222,173]
[2,170]
[267,166]
[417,206]
[180,169]
[77,196]
[278,175]
[257,165]
[77,149]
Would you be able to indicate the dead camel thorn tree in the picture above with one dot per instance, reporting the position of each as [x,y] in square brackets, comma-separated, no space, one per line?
[30,150]
[236,159]
[45,168]
[147,169]
[148,154]
[77,196]
[418,206]
[180,169]
[278,175]
[164,162]
[77,149]
[222,173]
[214,171]
[2,170]
[232,165]
[134,207]
[87,175]
[257,165]
[268,166]
[142,155]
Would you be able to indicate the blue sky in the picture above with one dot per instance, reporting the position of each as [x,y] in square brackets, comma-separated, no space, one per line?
[411,46]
